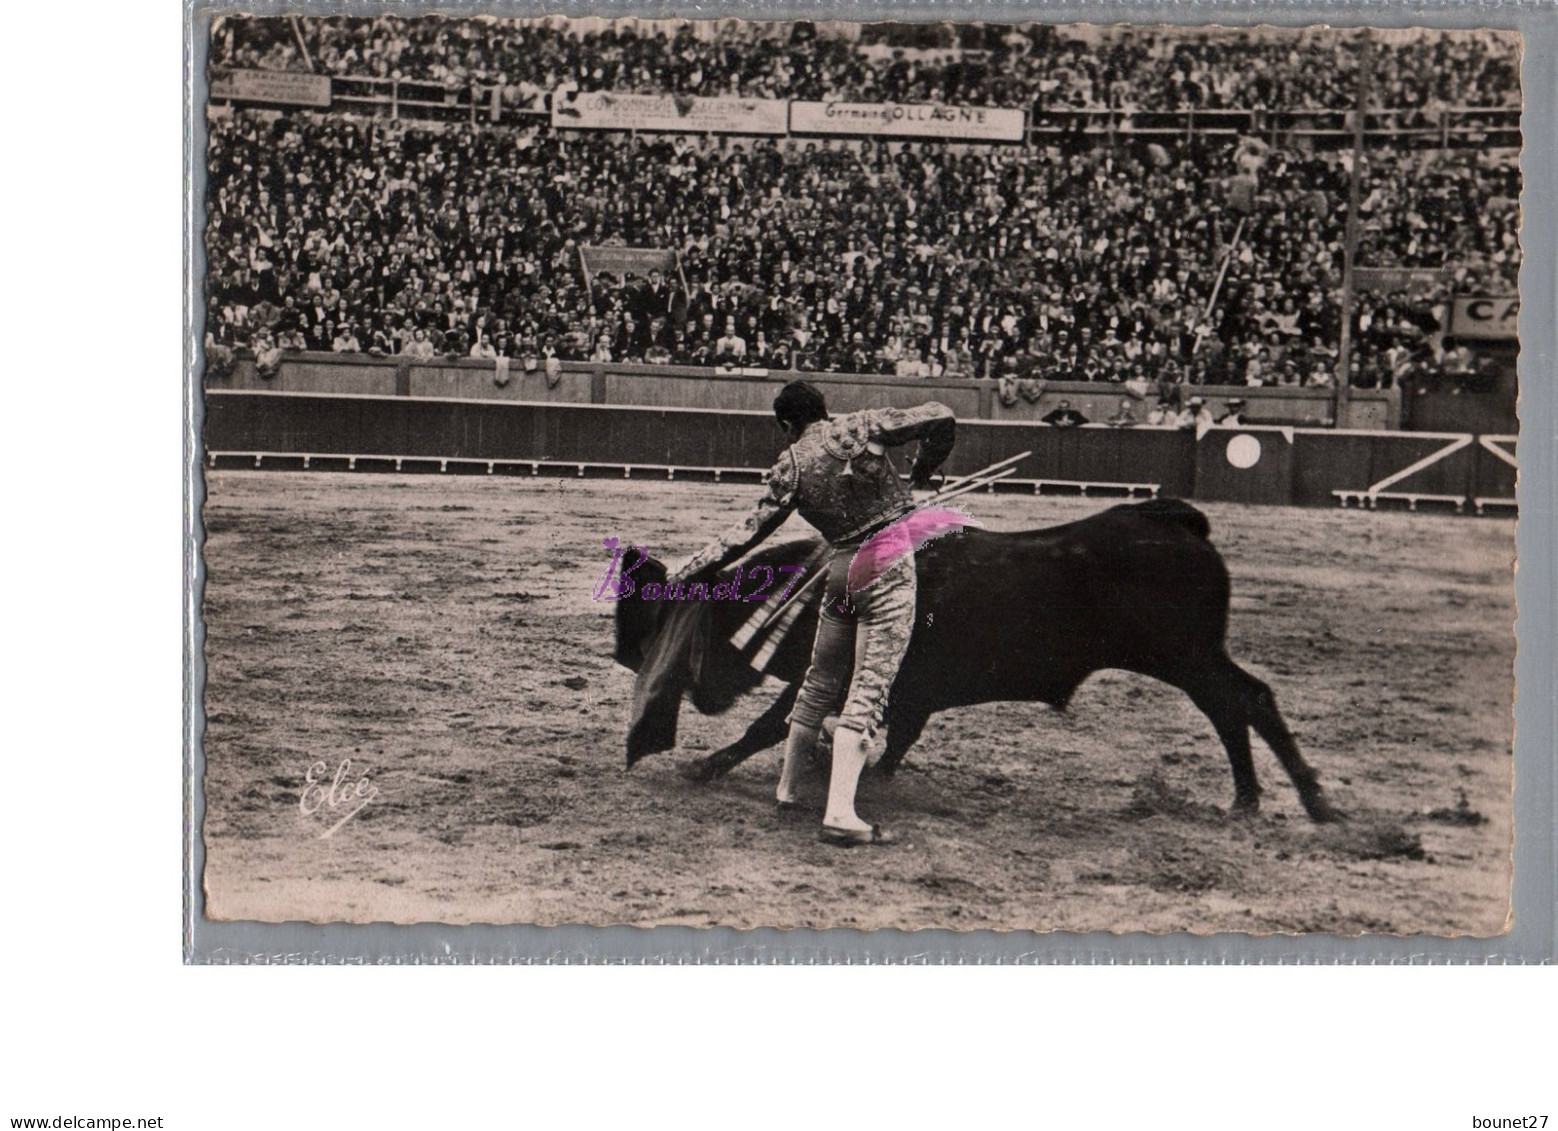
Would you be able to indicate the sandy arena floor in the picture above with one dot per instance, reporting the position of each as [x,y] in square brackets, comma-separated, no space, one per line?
[438,632]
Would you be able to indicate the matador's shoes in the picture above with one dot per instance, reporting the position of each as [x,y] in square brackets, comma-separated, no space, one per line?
[853,838]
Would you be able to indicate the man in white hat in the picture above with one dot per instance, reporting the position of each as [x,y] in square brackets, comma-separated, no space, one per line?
[1194,415]
[1235,414]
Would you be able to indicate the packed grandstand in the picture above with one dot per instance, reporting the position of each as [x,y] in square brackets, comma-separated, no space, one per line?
[1100,251]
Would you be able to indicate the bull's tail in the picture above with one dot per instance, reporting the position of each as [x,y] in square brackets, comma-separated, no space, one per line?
[1178,512]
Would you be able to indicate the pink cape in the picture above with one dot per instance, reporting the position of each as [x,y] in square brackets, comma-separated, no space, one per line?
[899,540]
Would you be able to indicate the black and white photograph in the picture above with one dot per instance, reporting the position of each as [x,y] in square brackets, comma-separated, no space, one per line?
[738,473]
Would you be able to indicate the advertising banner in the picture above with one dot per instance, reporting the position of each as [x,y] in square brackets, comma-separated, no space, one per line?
[273,86]
[653,113]
[1487,319]
[907,119]
[1413,280]
[622,260]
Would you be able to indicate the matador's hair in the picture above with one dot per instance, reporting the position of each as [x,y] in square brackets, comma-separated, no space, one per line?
[799,403]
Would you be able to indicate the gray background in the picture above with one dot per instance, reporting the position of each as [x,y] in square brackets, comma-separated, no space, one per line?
[1534,937]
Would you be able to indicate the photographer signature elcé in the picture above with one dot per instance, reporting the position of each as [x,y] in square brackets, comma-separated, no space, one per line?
[337,795]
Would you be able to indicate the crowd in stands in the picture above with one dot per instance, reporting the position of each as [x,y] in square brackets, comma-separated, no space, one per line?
[1036,65]
[333,232]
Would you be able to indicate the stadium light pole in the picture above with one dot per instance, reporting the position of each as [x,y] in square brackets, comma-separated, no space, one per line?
[1350,241]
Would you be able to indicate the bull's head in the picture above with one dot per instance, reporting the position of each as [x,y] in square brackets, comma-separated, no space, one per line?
[684,646]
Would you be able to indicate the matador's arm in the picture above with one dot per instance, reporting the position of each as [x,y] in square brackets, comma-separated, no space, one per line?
[932,424]
[770,512]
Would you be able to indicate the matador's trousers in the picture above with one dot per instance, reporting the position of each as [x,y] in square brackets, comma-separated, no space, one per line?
[871,628]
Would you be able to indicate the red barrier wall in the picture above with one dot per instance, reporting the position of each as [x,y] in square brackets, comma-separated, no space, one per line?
[1244,465]
[1252,464]
[1364,461]
[1493,474]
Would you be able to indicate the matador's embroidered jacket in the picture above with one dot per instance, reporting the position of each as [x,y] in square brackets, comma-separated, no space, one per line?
[838,477]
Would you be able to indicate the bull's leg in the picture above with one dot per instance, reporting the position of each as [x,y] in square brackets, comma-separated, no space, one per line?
[1261,709]
[1220,704]
[766,730]
[1233,700]
[904,727]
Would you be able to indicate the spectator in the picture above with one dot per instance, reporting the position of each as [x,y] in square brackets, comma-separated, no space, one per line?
[912,363]
[220,358]
[1078,263]
[1125,415]
[1136,68]
[267,355]
[1137,384]
[1064,416]
[420,348]
[1320,376]
[762,350]
[731,348]
[656,300]
[345,341]
[1194,416]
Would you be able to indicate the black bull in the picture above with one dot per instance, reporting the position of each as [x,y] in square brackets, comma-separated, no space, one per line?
[1000,617]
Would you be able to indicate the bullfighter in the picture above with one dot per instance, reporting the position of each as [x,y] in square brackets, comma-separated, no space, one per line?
[837,475]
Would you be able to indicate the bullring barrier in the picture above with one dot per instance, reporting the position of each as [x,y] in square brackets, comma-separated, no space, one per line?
[670,386]
[1250,464]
